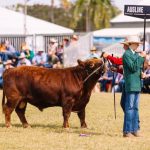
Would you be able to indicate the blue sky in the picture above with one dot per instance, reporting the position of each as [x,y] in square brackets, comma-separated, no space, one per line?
[118,3]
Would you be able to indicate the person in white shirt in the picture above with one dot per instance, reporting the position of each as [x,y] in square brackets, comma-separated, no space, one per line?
[40,59]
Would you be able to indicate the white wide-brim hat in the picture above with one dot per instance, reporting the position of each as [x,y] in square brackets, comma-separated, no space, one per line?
[93,49]
[133,39]
[125,42]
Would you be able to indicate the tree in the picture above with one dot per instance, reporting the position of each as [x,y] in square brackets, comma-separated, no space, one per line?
[96,13]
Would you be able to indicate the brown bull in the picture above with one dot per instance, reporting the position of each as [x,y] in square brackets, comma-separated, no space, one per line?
[69,88]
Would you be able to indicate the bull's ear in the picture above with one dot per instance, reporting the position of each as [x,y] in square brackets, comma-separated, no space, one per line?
[80,62]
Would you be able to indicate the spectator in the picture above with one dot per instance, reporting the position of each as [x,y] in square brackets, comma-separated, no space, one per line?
[53,46]
[11,51]
[8,64]
[59,52]
[53,60]
[146,77]
[118,83]
[93,53]
[3,52]
[23,61]
[1,73]
[106,81]
[40,59]
[71,53]
[28,52]
[66,42]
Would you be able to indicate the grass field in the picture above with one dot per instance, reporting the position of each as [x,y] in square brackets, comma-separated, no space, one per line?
[104,132]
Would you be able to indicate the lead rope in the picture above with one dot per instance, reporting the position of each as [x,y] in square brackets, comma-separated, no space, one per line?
[92,73]
[115,113]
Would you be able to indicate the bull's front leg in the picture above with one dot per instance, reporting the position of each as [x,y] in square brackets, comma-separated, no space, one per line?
[67,108]
[81,115]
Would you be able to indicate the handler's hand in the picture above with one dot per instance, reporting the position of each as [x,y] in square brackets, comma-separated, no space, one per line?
[105,55]
[143,54]
[143,75]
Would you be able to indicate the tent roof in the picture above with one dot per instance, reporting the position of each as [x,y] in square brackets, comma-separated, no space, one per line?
[122,18]
[119,32]
[13,23]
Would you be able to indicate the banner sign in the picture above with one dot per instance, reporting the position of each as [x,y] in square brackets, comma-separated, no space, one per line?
[138,11]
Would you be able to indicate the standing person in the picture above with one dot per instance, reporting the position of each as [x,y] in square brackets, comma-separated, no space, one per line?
[53,46]
[71,53]
[132,64]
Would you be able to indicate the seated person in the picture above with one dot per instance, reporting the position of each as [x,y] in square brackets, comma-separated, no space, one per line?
[1,74]
[54,60]
[8,64]
[11,51]
[23,61]
[146,78]
[28,52]
[106,81]
[118,83]
[3,52]
[40,58]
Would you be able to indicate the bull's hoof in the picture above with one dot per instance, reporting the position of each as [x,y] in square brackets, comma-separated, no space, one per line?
[8,126]
[26,126]
[66,125]
[84,125]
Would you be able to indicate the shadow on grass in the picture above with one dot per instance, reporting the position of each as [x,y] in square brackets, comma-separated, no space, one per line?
[59,129]
[2,125]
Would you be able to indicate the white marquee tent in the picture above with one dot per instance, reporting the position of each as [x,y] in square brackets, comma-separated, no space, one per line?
[13,23]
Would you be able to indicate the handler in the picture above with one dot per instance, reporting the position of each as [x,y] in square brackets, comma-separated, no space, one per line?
[132,65]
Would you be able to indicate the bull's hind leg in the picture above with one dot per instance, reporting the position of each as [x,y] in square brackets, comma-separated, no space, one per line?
[81,115]
[8,109]
[20,110]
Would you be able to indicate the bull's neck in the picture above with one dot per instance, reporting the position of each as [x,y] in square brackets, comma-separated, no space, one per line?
[82,74]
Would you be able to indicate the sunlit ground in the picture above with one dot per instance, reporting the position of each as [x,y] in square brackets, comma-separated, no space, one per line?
[103,133]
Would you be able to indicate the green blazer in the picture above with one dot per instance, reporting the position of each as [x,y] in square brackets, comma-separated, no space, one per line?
[132,65]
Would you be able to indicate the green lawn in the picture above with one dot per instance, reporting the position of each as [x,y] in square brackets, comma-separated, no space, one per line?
[103,133]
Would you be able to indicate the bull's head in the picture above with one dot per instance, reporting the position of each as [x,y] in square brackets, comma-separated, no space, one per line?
[91,65]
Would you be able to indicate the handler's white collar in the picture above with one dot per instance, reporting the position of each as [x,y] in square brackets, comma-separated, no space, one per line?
[132,51]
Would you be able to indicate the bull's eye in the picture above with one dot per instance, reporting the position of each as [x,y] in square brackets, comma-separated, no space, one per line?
[91,65]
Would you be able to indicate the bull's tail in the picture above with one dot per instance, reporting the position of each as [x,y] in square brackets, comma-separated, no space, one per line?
[3,101]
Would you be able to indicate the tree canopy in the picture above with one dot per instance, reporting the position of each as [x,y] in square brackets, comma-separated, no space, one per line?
[83,15]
